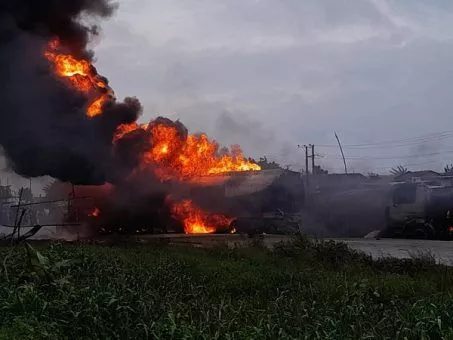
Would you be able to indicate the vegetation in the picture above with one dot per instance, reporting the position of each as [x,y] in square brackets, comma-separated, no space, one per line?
[373,175]
[300,290]
[448,169]
[320,171]
[399,170]
[264,163]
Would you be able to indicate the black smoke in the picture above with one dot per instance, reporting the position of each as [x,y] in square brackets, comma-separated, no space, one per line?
[43,126]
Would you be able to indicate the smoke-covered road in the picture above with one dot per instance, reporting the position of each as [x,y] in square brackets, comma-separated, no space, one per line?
[441,250]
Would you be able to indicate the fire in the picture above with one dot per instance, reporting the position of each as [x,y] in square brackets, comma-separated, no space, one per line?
[95,212]
[173,153]
[124,129]
[81,75]
[177,156]
[96,107]
[196,221]
[191,156]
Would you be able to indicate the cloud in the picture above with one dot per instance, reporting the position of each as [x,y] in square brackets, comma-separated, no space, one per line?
[371,70]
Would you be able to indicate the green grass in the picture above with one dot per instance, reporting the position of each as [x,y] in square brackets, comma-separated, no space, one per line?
[302,290]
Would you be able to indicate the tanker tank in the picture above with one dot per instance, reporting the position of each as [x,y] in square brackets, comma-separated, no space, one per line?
[261,201]
[256,200]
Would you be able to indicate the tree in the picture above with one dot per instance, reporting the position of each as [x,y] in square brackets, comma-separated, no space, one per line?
[265,164]
[448,169]
[319,171]
[399,170]
[373,175]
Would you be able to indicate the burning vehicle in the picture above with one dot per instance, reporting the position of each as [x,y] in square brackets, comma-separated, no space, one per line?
[243,202]
[266,201]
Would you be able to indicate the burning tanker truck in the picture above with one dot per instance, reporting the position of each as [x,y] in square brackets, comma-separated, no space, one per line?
[265,201]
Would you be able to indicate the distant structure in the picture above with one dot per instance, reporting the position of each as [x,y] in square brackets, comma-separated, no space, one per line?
[424,175]
[6,200]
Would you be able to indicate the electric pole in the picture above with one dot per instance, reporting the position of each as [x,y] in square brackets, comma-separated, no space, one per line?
[306,163]
[342,154]
[313,170]
[307,157]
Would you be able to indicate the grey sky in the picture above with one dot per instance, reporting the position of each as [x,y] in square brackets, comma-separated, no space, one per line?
[272,74]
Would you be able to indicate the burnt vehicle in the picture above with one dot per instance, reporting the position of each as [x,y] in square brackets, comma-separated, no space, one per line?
[266,201]
[421,210]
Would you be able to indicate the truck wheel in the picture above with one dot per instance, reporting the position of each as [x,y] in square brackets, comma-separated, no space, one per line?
[417,230]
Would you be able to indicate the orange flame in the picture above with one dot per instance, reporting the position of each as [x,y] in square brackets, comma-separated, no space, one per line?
[95,212]
[177,156]
[191,156]
[81,75]
[95,108]
[124,129]
[196,221]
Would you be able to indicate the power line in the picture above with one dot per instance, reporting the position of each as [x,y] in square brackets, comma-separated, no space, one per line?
[397,142]
[392,157]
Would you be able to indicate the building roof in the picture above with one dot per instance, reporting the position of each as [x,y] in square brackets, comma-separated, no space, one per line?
[354,175]
[414,174]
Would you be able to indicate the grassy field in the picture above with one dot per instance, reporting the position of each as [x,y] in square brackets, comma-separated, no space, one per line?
[300,290]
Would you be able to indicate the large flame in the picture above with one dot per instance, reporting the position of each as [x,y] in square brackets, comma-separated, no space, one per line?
[172,155]
[196,221]
[81,75]
[193,156]
[124,129]
[177,156]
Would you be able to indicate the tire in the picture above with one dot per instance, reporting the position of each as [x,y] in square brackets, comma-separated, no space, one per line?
[416,230]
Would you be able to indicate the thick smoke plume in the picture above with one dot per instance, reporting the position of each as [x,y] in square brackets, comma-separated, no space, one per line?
[43,126]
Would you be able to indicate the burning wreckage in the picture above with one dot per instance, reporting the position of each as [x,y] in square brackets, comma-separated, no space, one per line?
[61,118]
[246,202]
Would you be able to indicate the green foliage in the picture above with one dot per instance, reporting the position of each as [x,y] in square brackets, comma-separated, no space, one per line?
[303,289]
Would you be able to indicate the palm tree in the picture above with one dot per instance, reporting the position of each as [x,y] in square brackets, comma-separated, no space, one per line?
[264,163]
[399,170]
[448,169]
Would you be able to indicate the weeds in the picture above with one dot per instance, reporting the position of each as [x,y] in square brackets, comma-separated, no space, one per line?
[301,290]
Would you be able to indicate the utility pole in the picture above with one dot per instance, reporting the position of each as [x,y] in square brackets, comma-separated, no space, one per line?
[342,154]
[306,162]
[313,171]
